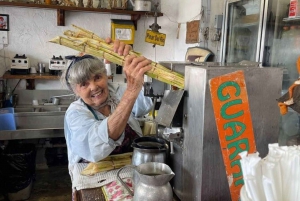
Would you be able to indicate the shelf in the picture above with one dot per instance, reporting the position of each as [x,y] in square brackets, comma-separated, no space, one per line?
[291,19]
[31,77]
[135,15]
[36,76]
[245,25]
[45,76]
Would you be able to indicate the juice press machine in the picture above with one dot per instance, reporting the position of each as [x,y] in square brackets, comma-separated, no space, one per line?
[56,65]
[186,119]
[20,65]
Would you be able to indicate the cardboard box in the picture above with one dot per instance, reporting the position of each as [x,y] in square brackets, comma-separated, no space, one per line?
[123,30]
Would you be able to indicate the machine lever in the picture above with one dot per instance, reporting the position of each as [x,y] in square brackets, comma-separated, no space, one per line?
[171,147]
[172,134]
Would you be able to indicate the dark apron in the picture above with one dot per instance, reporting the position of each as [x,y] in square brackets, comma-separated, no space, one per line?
[130,135]
[96,193]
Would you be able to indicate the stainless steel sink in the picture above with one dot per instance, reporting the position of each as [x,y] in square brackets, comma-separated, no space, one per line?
[37,122]
[54,108]
[40,116]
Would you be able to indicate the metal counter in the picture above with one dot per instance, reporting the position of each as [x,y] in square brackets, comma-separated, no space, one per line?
[31,134]
[36,122]
[197,160]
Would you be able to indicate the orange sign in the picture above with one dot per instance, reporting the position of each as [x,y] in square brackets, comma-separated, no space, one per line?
[234,124]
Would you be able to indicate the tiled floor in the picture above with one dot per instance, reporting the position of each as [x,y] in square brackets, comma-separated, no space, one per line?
[52,184]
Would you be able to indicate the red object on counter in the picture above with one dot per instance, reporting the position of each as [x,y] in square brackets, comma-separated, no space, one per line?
[294,8]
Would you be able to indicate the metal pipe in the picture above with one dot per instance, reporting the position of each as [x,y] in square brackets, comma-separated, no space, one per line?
[63,95]
[171,148]
[153,110]
[50,145]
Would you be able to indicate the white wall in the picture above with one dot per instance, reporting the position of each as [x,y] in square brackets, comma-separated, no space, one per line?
[205,10]
[159,53]
[187,11]
[31,28]
[215,7]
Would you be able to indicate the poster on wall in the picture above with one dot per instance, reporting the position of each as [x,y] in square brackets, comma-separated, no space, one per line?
[192,32]
[4,22]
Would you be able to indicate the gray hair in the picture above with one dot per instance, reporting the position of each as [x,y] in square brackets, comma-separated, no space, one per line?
[81,71]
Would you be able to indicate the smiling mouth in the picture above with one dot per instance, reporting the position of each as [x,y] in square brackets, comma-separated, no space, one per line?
[97,94]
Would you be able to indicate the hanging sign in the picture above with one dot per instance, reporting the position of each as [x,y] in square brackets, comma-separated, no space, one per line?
[234,124]
[155,38]
[192,32]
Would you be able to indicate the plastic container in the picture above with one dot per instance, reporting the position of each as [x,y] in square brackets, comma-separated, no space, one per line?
[7,110]
[8,98]
[18,168]
[23,194]
[243,195]
[7,121]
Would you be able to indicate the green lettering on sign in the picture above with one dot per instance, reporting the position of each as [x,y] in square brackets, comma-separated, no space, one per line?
[233,125]
[227,96]
[237,145]
[229,104]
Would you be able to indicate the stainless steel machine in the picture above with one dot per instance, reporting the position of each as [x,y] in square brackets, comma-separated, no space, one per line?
[20,65]
[186,119]
[57,64]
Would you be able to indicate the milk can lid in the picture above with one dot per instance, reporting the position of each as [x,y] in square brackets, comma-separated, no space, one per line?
[149,143]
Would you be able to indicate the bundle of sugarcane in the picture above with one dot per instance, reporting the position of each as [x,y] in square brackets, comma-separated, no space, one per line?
[89,43]
[109,163]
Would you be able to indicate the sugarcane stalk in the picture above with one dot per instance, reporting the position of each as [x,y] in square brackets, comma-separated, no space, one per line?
[87,34]
[108,163]
[94,168]
[108,48]
[127,155]
[88,42]
[99,41]
[95,40]
[99,44]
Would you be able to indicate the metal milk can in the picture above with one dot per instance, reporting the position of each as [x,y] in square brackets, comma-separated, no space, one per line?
[149,149]
[153,182]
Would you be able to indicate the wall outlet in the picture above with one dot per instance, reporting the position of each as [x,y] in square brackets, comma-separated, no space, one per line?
[3,37]
[218,21]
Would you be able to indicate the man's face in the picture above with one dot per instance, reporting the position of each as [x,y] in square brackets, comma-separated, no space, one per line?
[94,91]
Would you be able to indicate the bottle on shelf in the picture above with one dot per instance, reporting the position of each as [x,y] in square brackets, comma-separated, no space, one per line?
[8,98]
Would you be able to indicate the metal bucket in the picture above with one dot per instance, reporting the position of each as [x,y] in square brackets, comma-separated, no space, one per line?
[148,149]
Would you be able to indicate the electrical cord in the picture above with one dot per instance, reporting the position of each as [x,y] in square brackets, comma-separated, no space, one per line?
[4,57]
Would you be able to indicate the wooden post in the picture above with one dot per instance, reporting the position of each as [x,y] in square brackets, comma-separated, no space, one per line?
[60,17]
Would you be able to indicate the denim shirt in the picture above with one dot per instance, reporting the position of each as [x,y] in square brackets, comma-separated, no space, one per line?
[88,138]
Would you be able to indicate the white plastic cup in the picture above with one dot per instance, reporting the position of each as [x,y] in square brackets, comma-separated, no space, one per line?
[32,70]
[35,102]
[108,69]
